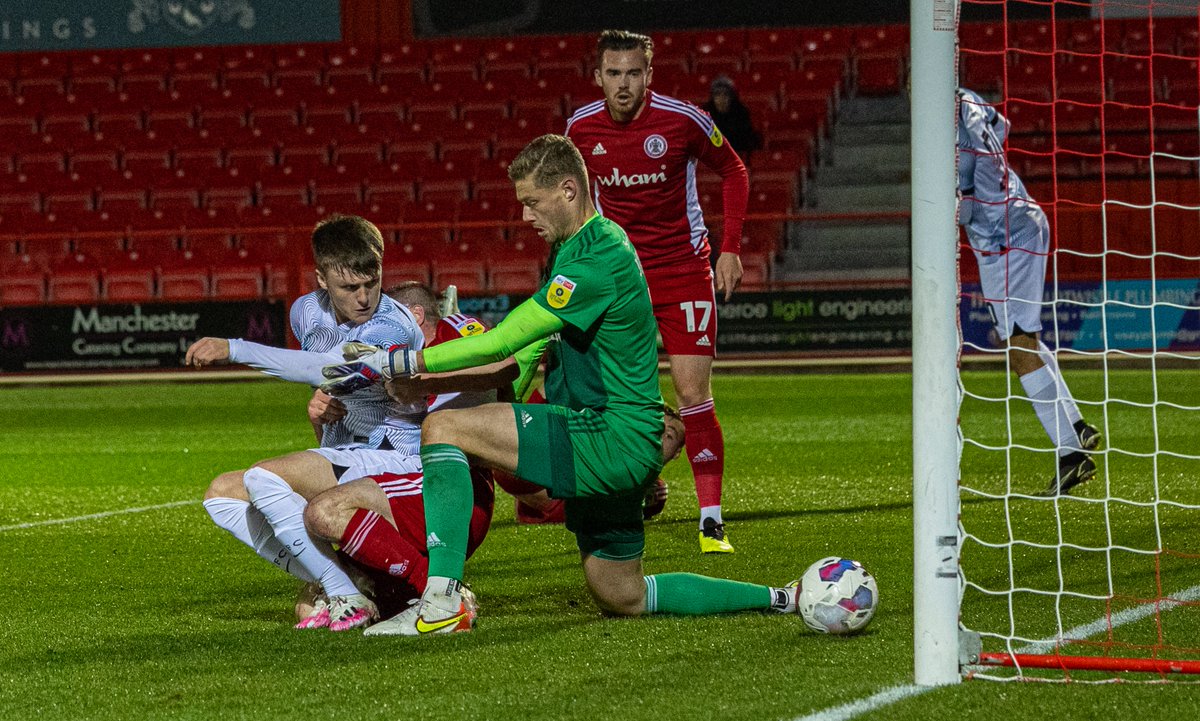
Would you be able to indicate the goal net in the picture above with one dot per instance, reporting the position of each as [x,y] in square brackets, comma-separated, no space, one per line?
[1102,582]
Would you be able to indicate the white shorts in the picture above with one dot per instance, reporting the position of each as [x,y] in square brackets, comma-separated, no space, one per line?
[1013,281]
[351,463]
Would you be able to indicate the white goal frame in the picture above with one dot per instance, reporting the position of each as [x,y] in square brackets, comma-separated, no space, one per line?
[933,28]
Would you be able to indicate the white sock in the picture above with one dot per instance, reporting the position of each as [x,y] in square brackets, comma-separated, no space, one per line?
[284,510]
[247,524]
[443,592]
[1042,389]
[1064,393]
[713,512]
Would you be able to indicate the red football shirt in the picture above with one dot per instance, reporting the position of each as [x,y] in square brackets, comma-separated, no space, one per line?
[449,328]
[643,176]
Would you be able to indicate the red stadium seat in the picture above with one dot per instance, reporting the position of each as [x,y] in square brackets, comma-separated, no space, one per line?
[238,280]
[350,83]
[434,106]
[879,72]
[756,270]
[305,161]
[76,280]
[297,81]
[22,286]
[401,80]
[183,282]
[342,198]
[358,161]
[399,266]
[129,280]
[250,162]
[273,122]
[36,93]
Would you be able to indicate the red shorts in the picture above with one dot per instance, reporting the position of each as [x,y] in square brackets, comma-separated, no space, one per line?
[408,506]
[686,310]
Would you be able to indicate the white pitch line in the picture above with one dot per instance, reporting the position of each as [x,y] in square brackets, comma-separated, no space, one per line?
[885,697]
[90,516]
[891,695]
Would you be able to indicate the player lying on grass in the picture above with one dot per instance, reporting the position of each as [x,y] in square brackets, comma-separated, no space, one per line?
[597,443]
[1011,240]
[263,506]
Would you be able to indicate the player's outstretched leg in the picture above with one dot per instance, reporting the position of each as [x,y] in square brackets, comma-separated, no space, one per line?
[619,588]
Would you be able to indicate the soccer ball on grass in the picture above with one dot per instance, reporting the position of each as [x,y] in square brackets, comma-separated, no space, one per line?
[837,595]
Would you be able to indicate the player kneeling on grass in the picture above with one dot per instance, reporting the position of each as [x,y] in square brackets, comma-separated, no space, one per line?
[597,443]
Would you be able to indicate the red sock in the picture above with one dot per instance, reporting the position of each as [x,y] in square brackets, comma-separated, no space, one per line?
[372,541]
[706,449]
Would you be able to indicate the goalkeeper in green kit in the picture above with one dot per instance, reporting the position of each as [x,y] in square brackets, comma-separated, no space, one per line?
[596,443]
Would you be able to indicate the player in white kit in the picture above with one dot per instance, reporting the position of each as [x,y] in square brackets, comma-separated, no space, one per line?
[1010,238]
[264,506]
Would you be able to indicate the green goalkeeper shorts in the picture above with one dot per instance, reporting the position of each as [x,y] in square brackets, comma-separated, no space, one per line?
[596,466]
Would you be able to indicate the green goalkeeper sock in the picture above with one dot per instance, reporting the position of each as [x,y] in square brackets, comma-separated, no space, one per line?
[693,595]
[449,500]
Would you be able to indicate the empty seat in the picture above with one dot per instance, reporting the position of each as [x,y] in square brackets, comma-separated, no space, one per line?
[75,280]
[129,280]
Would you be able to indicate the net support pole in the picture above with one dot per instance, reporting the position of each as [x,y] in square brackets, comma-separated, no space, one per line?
[935,343]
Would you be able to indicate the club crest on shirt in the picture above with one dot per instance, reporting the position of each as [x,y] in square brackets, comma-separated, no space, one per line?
[716,137]
[655,146]
[559,293]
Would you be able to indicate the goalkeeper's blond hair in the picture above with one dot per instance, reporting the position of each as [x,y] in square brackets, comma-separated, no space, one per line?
[547,160]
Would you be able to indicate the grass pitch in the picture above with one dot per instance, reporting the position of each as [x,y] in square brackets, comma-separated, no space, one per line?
[158,614]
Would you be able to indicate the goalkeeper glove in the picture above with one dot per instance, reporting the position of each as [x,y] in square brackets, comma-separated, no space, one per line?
[365,365]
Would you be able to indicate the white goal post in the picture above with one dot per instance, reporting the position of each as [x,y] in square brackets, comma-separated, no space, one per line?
[935,342]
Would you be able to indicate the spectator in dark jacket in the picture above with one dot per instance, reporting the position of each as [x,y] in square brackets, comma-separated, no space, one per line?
[732,116]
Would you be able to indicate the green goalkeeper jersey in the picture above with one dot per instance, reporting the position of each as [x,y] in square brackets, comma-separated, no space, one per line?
[606,356]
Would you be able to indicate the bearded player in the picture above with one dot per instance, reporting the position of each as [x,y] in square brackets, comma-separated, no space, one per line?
[641,150]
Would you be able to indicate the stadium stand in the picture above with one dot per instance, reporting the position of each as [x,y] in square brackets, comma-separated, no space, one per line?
[160,151]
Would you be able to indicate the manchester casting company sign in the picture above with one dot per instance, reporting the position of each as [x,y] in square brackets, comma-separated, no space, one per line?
[95,24]
[113,337]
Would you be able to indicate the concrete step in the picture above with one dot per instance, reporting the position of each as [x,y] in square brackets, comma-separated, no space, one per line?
[898,133]
[859,110]
[860,198]
[830,175]
[851,248]
[870,155]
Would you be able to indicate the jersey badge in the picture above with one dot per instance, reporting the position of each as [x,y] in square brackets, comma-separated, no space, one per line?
[599,149]
[560,291]
[715,136]
[472,328]
[655,146]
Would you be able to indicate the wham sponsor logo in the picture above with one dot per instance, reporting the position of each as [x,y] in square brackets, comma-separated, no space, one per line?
[628,181]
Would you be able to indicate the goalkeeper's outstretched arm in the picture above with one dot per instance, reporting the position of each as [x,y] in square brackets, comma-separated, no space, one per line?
[527,324]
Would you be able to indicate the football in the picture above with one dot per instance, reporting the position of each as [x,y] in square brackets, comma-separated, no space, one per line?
[837,595]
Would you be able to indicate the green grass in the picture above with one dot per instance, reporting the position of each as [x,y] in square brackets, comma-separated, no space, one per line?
[158,614]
